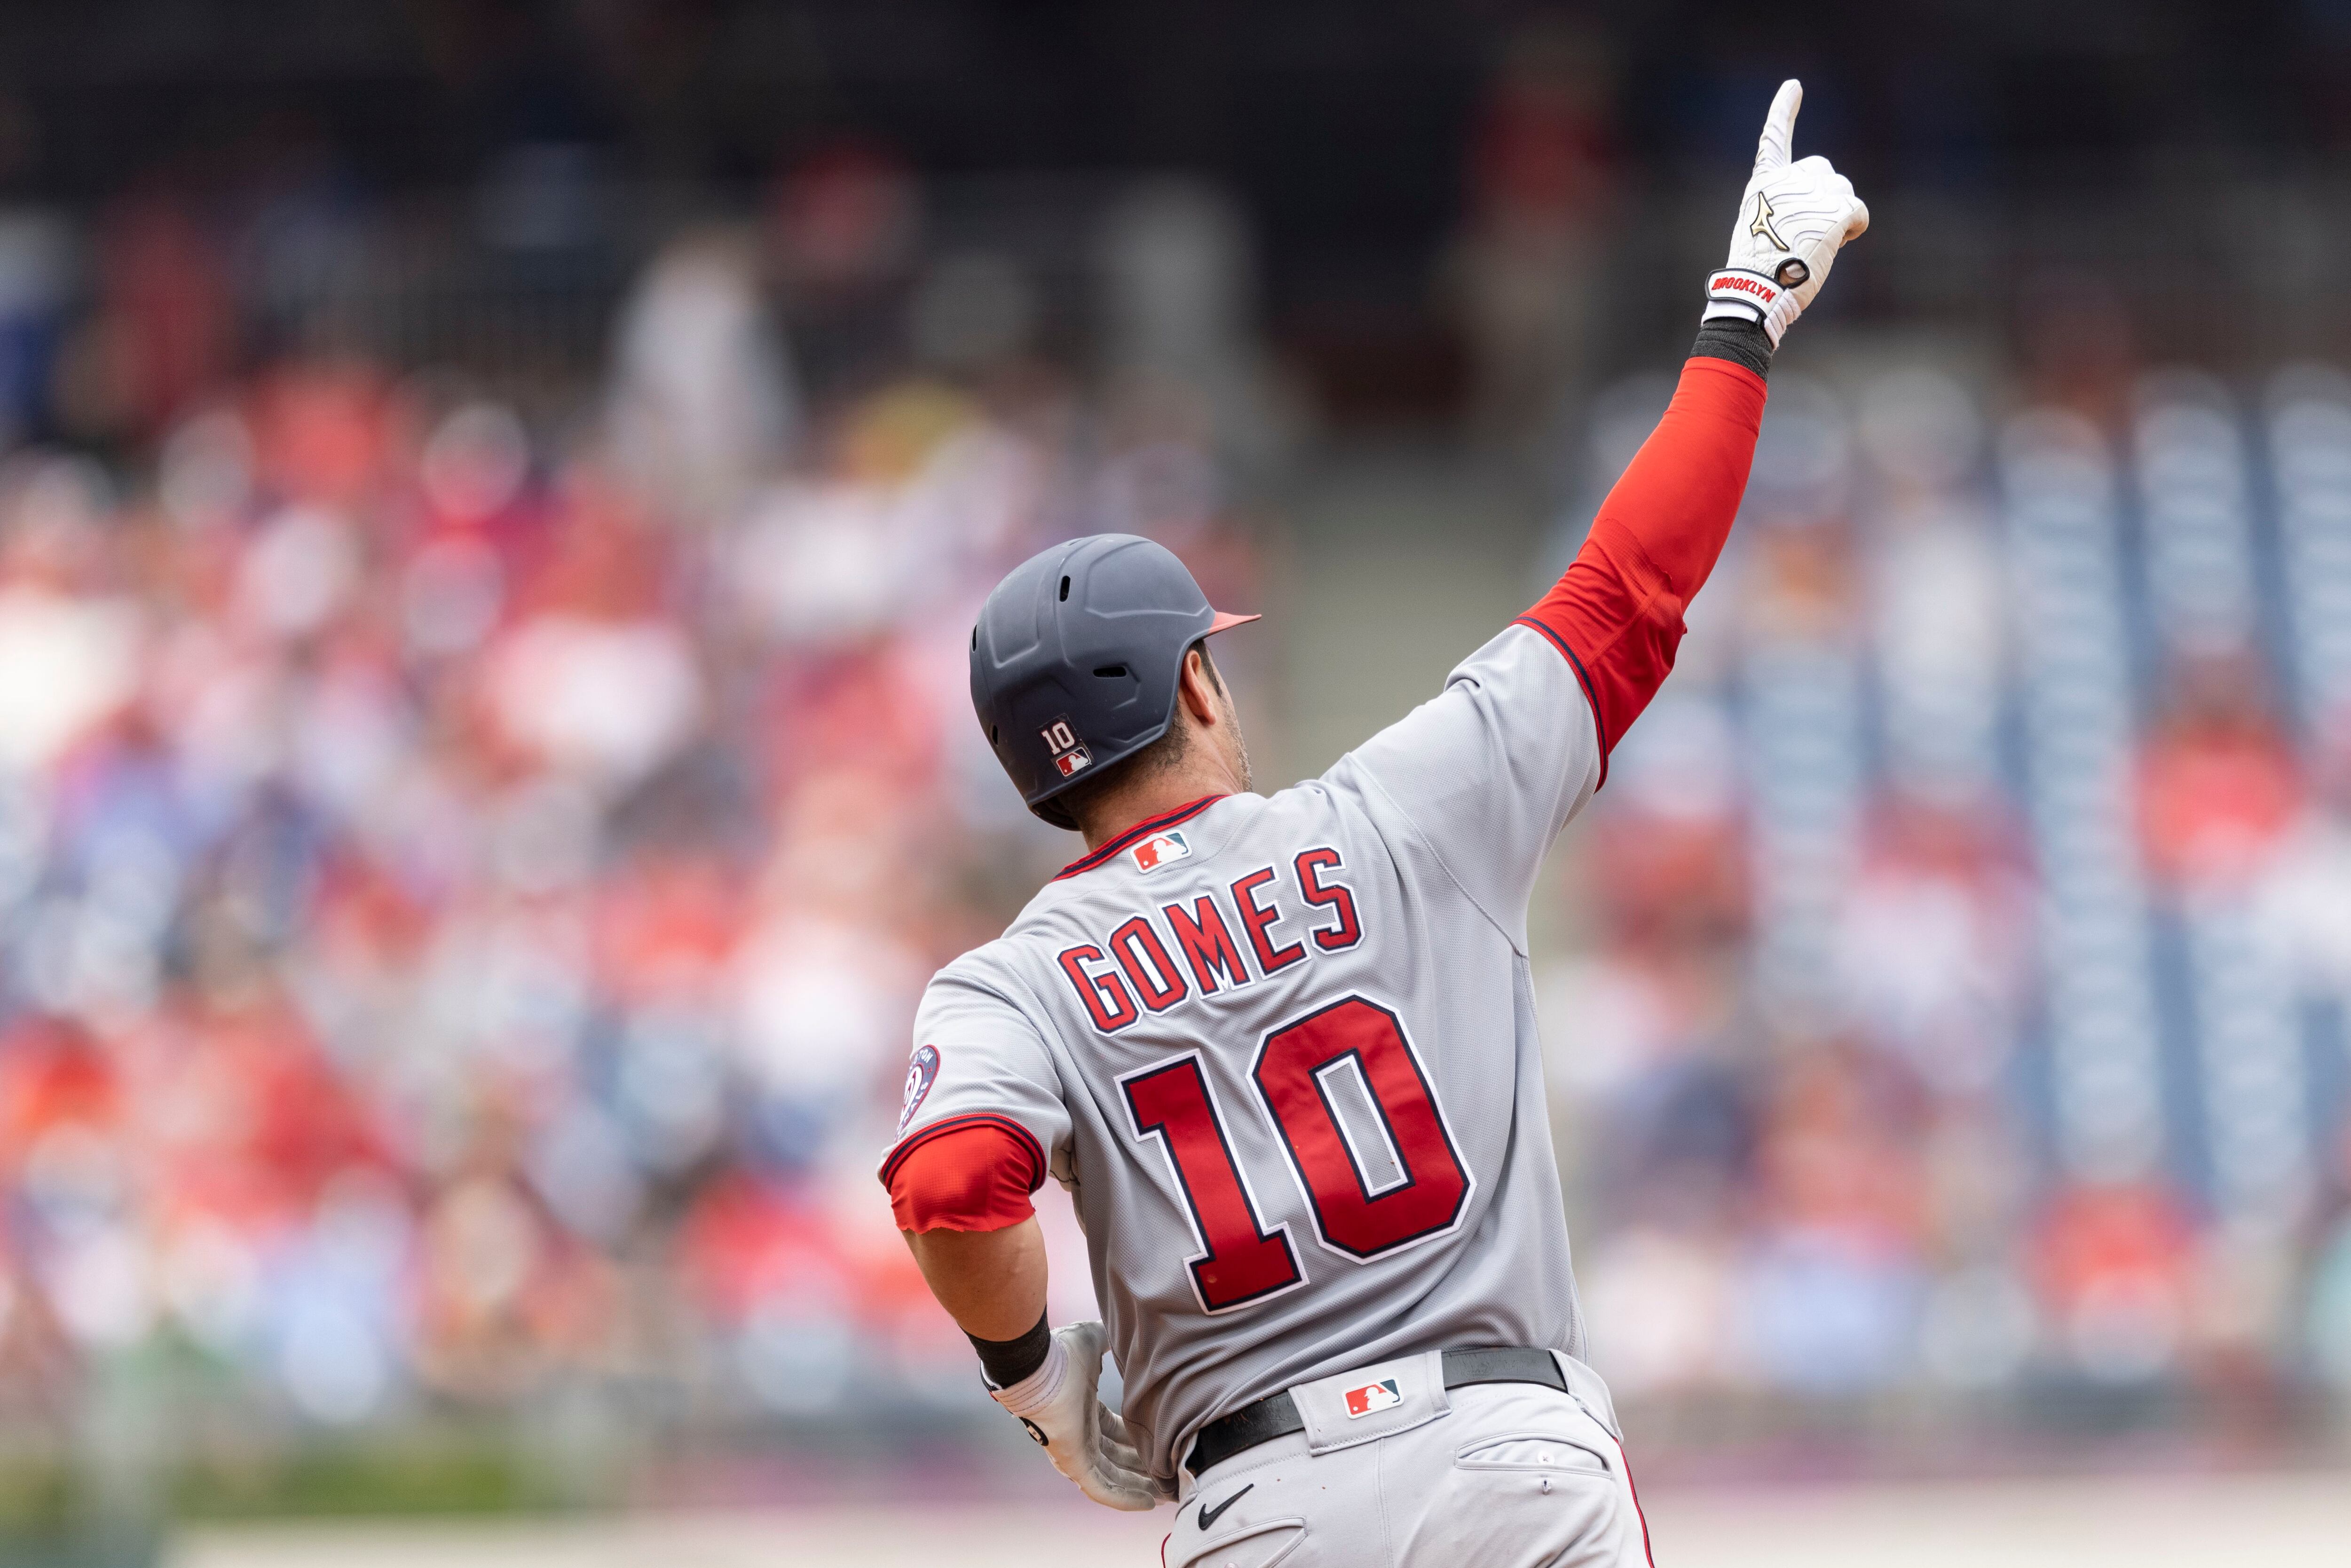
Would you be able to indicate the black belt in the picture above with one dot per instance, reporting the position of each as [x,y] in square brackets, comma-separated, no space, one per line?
[1276,1415]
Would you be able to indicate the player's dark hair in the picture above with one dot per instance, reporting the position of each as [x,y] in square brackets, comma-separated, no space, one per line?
[1162,756]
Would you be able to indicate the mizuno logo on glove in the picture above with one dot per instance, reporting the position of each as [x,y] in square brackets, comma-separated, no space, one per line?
[1792,219]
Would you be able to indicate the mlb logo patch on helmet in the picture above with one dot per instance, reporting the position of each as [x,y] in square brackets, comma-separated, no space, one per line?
[1371,1396]
[1159,849]
[1070,755]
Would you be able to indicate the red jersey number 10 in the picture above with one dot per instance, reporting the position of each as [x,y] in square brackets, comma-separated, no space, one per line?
[1242,1261]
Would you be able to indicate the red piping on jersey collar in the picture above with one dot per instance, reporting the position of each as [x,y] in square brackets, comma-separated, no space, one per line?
[1128,839]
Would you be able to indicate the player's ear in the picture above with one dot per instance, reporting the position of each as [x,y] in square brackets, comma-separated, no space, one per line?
[1196,689]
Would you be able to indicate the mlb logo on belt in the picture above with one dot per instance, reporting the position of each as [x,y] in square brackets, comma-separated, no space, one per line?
[1371,1396]
[1159,849]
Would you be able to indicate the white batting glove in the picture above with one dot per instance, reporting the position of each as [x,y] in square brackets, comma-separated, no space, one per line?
[1083,1439]
[1790,223]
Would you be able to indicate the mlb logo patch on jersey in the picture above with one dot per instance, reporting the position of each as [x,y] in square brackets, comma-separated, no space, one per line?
[1159,849]
[1371,1396]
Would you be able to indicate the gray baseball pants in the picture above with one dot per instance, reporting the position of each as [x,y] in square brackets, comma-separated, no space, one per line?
[1497,1475]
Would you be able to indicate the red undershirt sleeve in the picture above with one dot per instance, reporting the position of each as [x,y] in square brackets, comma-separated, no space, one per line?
[974,1176]
[1617,612]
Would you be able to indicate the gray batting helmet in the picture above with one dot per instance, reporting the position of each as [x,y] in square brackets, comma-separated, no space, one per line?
[1075,658]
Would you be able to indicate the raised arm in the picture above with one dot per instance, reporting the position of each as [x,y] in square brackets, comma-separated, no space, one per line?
[1490,770]
[1616,614]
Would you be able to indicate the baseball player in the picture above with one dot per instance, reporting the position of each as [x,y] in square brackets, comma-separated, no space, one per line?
[1282,1049]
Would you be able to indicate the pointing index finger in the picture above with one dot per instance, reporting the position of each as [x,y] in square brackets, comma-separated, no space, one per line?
[1780,126]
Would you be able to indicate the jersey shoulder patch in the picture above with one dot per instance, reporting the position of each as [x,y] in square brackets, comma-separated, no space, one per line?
[921,1073]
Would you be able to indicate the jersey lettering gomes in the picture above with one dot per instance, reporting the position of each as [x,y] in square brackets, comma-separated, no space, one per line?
[1136,962]
[1284,1059]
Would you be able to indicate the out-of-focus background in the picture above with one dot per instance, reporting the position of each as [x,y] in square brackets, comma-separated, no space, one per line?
[493,497]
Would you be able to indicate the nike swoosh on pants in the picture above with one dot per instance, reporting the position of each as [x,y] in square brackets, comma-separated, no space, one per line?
[1209,1516]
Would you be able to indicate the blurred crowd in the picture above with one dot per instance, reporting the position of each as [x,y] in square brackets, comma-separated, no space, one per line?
[470,847]
[465,877]
[1965,983]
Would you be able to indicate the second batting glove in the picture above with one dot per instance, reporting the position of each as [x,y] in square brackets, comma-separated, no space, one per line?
[1085,1441]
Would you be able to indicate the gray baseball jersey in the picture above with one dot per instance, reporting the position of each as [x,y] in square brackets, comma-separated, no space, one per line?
[1282,1051]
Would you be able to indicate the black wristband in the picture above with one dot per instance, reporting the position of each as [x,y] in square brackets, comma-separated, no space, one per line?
[1006,1361]
[1742,341]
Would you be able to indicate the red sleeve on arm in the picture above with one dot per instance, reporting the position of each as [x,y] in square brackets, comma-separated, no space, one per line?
[973,1173]
[1617,612]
